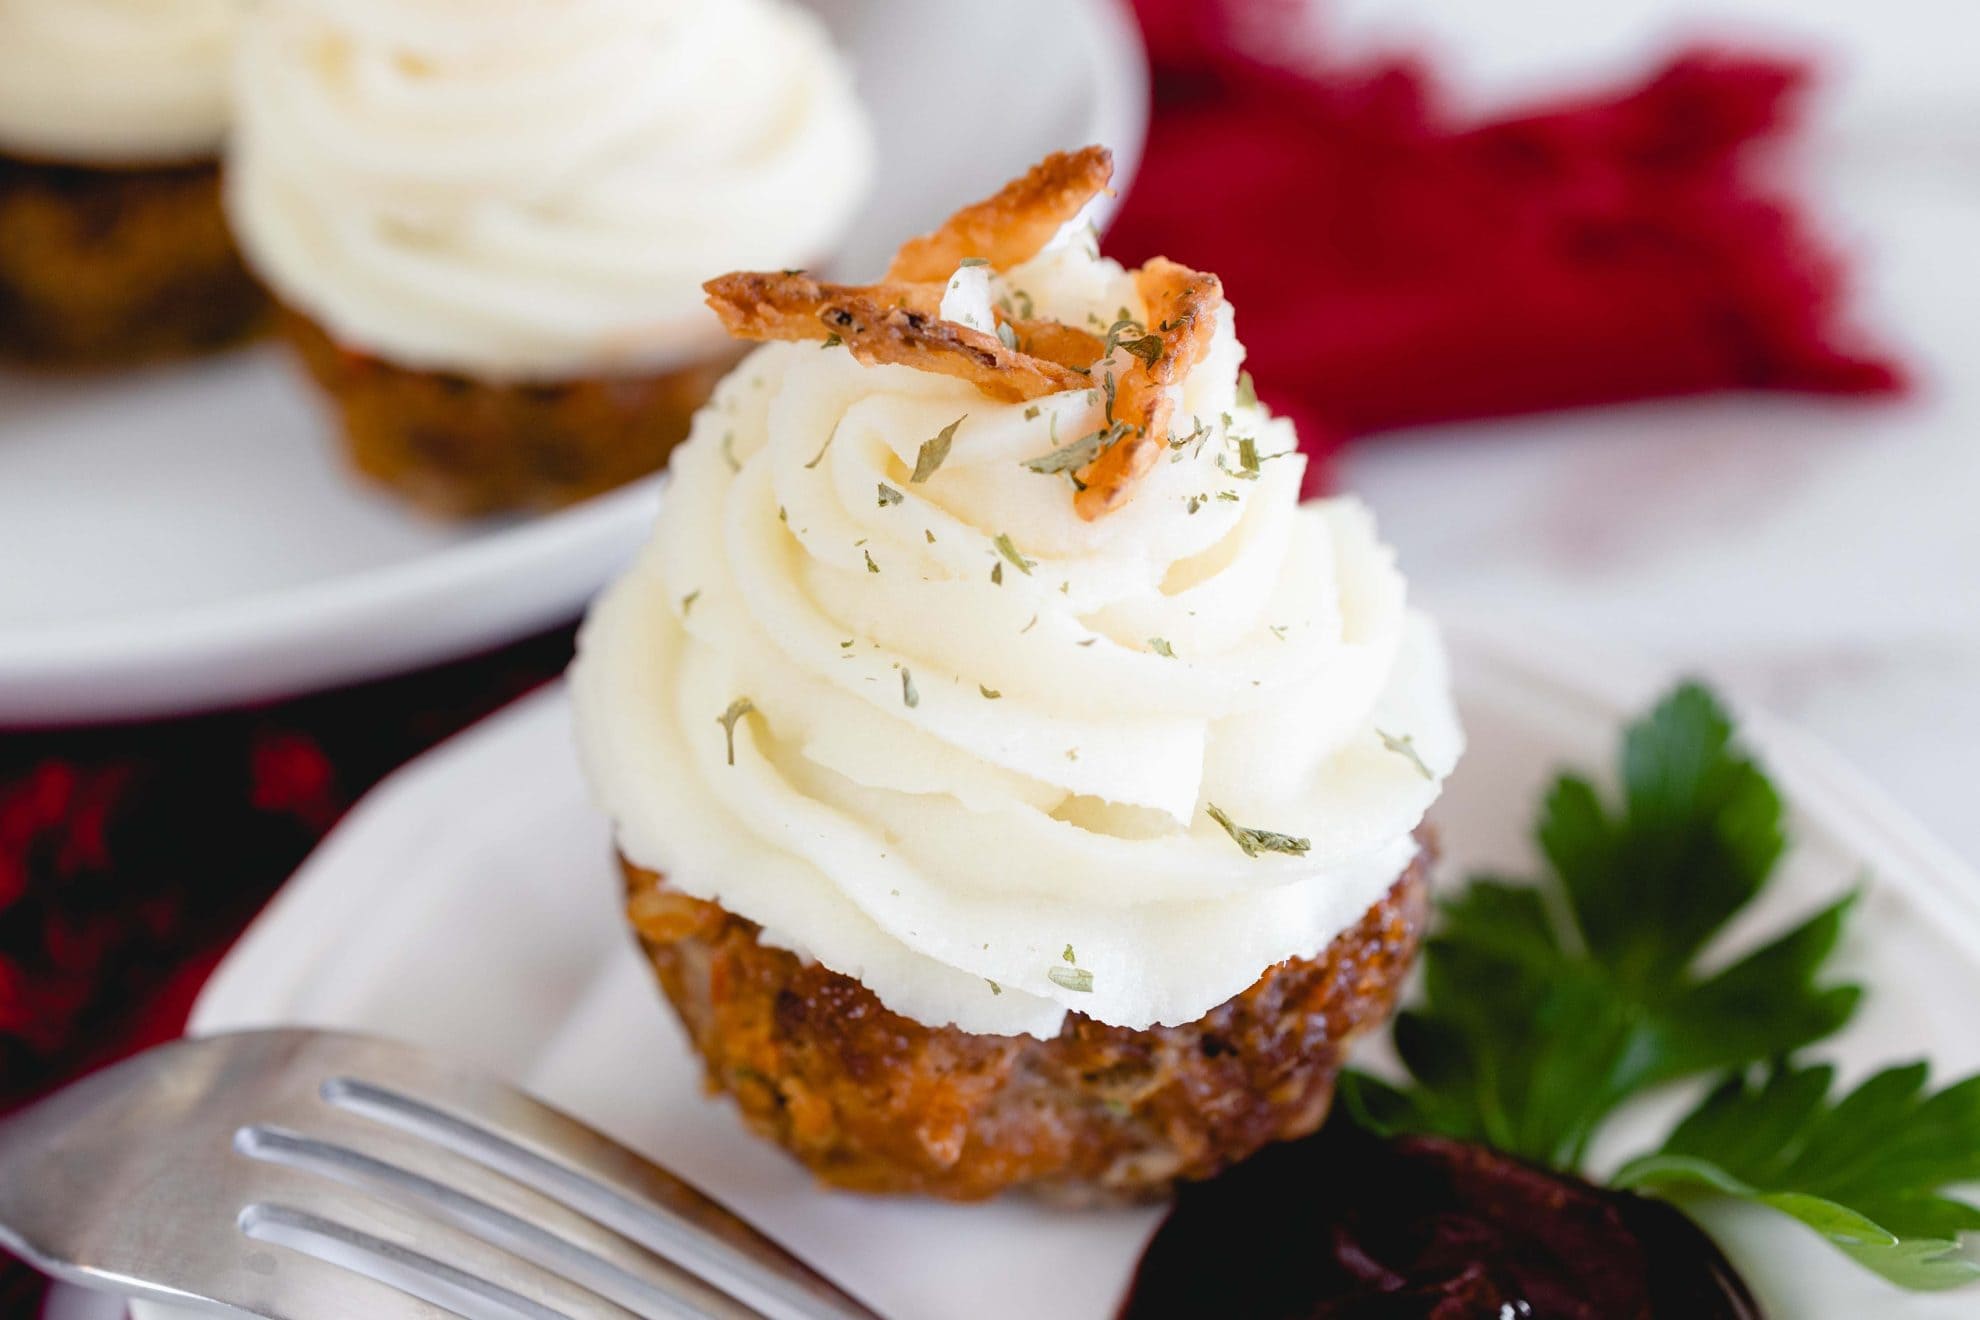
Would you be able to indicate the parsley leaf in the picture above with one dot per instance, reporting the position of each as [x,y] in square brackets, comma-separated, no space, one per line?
[1071,978]
[1148,348]
[1254,841]
[1009,550]
[1403,746]
[1545,1007]
[738,708]
[1247,457]
[934,452]
[1865,1171]
[1075,455]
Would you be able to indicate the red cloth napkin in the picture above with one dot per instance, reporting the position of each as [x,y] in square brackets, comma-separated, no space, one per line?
[1391,265]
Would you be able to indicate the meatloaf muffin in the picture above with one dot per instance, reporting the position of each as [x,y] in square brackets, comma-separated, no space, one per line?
[1038,785]
[872,1101]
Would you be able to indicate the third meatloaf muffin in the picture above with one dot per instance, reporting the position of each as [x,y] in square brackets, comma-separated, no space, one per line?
[113,247]
[487,221]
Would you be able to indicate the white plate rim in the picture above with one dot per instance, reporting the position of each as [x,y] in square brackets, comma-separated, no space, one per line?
[456,601]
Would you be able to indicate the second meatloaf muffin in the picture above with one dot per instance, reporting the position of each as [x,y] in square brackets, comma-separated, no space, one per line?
[875,1102]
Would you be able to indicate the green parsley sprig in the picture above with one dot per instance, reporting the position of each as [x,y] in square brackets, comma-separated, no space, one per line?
[1865,1171]
[1548,1005]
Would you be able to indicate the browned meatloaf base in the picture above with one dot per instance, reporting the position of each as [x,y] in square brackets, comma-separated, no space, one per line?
[105,266]
[874,1102]
[461,447]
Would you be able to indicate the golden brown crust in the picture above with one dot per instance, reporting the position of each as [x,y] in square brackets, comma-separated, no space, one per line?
[882,324]
[105,266]
[874,1102]
[461,447]
[1009,228]
[1181,305]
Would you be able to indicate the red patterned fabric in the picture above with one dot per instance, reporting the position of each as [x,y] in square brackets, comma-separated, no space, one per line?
[131,855]
[1391,265]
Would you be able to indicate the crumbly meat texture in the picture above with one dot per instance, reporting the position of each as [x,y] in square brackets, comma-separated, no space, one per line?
[100,267]
[874,1102]
[460,447]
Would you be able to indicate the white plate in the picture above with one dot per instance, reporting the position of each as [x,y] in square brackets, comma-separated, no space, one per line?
[471,903]
[186,537]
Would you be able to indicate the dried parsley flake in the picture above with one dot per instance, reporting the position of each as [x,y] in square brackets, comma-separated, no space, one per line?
[1405,747]
[738,708]
[1010,552]
[935,451]
[1255,842]
[1072,978]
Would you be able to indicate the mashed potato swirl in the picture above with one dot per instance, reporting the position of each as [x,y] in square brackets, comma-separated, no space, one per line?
[875,686]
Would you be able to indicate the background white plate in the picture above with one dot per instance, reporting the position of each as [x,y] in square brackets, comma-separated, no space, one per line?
[186,537]
[470,903]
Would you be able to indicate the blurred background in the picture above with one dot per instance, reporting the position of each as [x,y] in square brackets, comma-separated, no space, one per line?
[1649,325]
[1818,557]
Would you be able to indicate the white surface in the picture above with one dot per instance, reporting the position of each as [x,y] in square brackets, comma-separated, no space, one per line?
[471,903]
[186,537]
[1885,62]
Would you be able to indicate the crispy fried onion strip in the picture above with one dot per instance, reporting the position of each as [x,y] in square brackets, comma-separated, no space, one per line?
[1013,226]
[1181,305]
[884,323]
[1054,341]
[899,321]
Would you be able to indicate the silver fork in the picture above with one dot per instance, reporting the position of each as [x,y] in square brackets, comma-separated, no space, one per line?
[311,1175]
